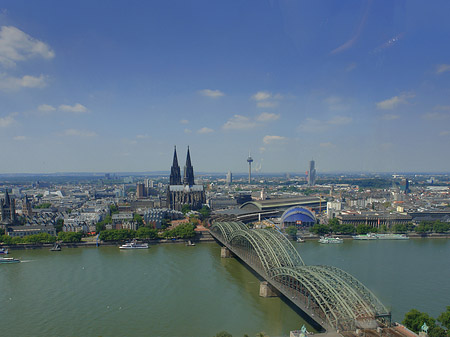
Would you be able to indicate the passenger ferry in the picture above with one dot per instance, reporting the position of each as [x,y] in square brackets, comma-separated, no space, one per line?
[134,245]
[329,239]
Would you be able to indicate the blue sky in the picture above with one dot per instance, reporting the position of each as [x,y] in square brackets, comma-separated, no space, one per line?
[113,86]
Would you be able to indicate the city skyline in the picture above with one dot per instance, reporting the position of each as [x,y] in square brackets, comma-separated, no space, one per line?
[359,87]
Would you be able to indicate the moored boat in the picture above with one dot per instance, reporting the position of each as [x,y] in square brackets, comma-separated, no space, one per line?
[391,236]
[56,248]
[190,243]
[3,251]
[134,245]
[299,239]
[329,239]
[368,236]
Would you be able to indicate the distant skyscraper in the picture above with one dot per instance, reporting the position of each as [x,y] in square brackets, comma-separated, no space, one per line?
[229,177]
[249,161]
[312,173]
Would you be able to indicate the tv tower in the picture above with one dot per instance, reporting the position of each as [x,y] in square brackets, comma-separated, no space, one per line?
[249,161]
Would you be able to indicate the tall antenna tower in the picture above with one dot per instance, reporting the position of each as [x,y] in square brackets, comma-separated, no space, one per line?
[249,161]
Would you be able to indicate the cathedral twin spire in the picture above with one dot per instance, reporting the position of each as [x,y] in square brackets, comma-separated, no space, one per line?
[175,175]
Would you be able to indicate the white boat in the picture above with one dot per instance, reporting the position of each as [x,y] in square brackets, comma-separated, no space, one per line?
[299,239]
[190,243]
[368,236]
[329,239]
[391,236]
[9,260]
[3,251]
[134,245]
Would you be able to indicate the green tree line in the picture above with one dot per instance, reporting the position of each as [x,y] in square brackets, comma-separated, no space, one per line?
[439,327]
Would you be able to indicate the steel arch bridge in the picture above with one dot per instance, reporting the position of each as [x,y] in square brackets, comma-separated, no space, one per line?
[333,298]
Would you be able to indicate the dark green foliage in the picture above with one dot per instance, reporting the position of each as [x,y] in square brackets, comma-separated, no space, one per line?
[333,222]
[35,238]
[205,212]
[59,225]
[113,209]
[437,331]
[146,233]
[71,237]
[138,218]
[117,235]
[414,319]
[291,230]
[185,209]
[185,231]
[320,229]
[364,229]
[444,318]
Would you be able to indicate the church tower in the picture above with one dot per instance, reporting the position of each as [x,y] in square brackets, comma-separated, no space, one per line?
[188,171]
[175,175]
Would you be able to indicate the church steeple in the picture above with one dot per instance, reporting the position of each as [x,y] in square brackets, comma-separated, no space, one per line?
[175,175]
[188,171]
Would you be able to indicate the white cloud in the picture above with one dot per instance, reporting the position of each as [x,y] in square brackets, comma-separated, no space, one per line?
[20,138]
[239,122]
[390,117]
[187,131]
[327,145]
[7,121]
[442,68]
[339,120]
[27,81]
[211,93]
[15,45]
[142,136]
[184,121]
[262,149]
[77,108]
[46,108]
[436,115]
[205,130]
[392,102]
[273,139]
[267,117]
[336,103]
[267,104]
[444,133]
[79,133]
[316,125]
[261,96]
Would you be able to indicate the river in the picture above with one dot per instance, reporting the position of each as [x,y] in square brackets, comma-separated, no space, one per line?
[174,290]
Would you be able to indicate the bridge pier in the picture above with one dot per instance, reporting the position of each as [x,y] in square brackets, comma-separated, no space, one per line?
[267,290]
[225,253]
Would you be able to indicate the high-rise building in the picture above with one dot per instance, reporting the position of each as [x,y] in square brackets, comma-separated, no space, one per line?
[249,161]
[229,177]
[312,173]
[186,193]
[140,191]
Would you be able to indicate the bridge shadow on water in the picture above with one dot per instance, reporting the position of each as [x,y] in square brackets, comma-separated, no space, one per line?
[310,324]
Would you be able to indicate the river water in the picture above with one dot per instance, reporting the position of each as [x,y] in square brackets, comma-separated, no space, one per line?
[174,290]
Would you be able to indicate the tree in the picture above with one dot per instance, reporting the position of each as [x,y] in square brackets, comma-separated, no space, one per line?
[185,208]
[320,229]
[414,319]
[444,318]
[205,211]
[364,229]
[59,225]
[333,222]
[138,218]
[146,233]
[292,231]
[71,237]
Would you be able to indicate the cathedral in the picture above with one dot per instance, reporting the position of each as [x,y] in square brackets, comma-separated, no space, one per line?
[184,192]
[7,209]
